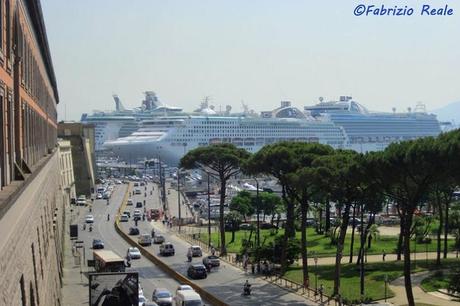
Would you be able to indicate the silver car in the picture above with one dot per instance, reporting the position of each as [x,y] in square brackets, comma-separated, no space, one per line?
[162,297]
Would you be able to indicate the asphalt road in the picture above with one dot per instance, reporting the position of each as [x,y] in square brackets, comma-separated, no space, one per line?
[225,282]
[150,276]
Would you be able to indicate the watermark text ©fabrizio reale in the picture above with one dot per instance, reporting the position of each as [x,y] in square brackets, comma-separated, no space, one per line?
[383,10]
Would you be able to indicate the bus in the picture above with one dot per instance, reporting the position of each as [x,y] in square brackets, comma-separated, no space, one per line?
[108,261]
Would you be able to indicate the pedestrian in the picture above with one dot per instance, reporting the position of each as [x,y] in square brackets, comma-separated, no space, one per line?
[253,268]
[383,255]
[213,250]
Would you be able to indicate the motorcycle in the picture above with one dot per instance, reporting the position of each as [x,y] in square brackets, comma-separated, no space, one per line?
[90,228]
[108,217]
[247,289]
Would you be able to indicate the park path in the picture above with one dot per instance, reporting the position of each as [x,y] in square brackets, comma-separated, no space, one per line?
[420,296]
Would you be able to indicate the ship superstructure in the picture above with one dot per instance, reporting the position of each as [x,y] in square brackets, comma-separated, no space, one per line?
[340,124]
[123,122]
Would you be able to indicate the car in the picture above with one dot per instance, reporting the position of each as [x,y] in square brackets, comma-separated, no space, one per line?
[158,239]
[196,251]
[89,219]
[142,300]
[81,201]
[130,202]
[137,212]
[197,271]
[98,244]
[167,248]
[188,297]
[138,204]
[133,231]
[133,253]
[183,287]
[98,196]
[127,212]
[211,259]
[246,226]
[144,240]
[162,297]
[267,225]
[137,191]
[124,218]
[136,184]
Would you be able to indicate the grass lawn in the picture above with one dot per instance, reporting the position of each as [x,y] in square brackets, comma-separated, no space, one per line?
[374,277]
[439,280]
[319,243]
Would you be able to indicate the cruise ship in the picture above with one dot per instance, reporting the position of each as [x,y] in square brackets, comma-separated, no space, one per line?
[374,131]
[340,124]
[123,122]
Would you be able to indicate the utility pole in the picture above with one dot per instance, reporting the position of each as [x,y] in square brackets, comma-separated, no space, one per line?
[178,197]
[209,213]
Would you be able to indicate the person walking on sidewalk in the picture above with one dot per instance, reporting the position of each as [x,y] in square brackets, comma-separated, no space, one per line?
[384,254]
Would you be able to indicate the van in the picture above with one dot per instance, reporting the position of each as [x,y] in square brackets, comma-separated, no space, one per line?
[188,298]
[167,249]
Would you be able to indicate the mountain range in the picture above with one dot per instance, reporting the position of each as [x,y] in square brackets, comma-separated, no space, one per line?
[450,112]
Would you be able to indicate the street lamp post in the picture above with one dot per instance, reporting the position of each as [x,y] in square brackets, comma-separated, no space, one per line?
[258,215]
[178,197]
[209,213]
[316,273]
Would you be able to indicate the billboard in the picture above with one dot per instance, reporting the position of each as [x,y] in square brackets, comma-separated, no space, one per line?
[114,289]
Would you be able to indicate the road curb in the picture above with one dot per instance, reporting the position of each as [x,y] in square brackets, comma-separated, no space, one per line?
[162,265]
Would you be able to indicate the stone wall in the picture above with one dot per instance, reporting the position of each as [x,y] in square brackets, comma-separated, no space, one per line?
[31,242]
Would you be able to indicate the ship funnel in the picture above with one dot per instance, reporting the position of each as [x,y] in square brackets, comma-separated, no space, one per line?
[118,105]
[151,101]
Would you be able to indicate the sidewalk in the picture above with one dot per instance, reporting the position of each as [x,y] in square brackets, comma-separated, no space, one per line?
[420,296]
[75,285]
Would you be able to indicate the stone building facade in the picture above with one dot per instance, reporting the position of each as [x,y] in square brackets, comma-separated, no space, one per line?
[31,196]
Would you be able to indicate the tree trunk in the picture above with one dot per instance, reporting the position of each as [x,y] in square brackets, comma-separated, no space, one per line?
[223,248]
[289,219]
[407,264]
[233,235]
[441,222]
[327,226]
[320,220]
[339,253]
[369,241]
[400,242]
[304,208]
[446,227]
[352,242]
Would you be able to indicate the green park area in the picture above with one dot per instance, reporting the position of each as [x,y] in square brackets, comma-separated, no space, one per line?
[374,277]
[319,243]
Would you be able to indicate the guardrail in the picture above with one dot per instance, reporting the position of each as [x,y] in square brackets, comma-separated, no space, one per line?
[162,265]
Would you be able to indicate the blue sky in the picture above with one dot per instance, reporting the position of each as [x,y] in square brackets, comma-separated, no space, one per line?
[259,52]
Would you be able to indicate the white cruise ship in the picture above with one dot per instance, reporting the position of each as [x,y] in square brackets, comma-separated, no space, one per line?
[340,124]
[169,138]
[123,122]
[374,131]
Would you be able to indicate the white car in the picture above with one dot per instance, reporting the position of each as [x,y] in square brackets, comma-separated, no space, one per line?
[124,218]
[89,219]
[99,196]
[134,253]
[130,202]
[183,287]
[142,300]
[196,251]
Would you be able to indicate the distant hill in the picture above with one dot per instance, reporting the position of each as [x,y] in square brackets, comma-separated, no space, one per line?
[450,112]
